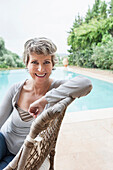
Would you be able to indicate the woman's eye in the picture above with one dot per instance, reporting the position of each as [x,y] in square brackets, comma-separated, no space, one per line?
[34,62]
[47,62]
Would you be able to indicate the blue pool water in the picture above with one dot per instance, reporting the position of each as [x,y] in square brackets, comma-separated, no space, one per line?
[100,97]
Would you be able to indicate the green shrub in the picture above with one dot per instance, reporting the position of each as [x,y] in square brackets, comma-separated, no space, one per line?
[9,61]
[90,41]
[103,55]
[82,58]
[19,63]
[7,58]
[2,65]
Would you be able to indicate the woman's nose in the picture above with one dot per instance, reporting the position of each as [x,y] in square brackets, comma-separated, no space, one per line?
[40,68]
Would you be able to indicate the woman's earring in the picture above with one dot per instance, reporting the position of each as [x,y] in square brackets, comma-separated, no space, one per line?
[53,68]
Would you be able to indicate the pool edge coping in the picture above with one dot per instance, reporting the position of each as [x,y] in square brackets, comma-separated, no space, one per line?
[90,74]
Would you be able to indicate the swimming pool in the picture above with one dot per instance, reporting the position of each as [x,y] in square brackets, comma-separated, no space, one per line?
[100,97]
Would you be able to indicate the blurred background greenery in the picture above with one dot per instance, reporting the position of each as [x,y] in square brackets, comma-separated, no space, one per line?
[90,41]
[9,59]
[91,38]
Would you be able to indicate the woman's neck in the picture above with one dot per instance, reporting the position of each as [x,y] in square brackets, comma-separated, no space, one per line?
[39,88]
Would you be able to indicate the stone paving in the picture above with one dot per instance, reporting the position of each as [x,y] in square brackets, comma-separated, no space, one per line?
[86,138]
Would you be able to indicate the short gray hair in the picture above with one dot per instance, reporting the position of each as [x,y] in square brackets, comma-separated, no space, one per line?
[40,46]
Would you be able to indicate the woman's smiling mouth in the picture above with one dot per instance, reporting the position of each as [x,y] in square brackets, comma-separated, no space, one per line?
[40,75]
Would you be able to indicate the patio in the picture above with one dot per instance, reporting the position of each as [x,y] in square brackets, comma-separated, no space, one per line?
[86,138]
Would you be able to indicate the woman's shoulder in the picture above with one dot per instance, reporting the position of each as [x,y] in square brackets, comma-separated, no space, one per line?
[17,85]
[14,89]
[57,83]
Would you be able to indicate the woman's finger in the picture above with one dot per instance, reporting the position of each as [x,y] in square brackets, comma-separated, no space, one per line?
[32,109]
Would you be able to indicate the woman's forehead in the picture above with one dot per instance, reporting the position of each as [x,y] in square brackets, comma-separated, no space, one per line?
[39,56]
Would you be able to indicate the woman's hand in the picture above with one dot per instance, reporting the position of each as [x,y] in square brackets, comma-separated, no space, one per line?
[37,107]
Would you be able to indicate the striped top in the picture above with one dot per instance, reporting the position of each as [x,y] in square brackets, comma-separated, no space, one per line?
[25,116]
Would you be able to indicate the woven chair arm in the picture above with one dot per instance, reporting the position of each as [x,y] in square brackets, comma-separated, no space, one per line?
[40,123]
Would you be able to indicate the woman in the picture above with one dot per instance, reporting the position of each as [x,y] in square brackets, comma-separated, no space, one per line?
[25,100]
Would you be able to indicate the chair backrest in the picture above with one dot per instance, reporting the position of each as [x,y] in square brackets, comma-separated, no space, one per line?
[46,126]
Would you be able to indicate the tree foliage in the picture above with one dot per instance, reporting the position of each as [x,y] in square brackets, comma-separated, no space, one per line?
[103,53]
[99,11]
[7,58]
[84,38]
[110,11]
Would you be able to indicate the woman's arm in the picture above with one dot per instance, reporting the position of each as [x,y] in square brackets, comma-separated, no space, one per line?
[75,88]
[6,106]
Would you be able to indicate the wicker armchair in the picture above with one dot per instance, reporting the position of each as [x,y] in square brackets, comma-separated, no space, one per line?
[46,126]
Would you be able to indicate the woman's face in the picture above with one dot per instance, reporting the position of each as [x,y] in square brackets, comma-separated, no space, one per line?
[40,67]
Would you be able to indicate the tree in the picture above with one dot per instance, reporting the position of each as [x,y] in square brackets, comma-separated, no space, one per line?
[78,21]
[7,58]
[103,10]
[103,53]
[89,15]
[84,37]
[96,9]
[111,8]
[2,43]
